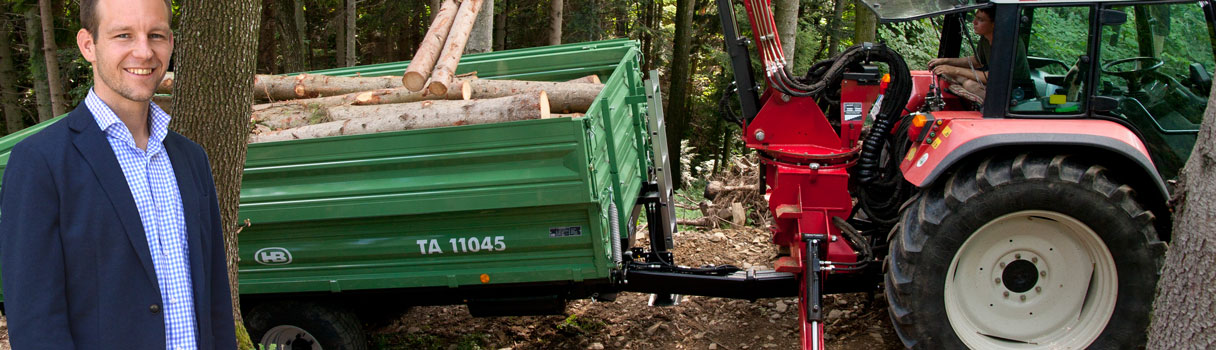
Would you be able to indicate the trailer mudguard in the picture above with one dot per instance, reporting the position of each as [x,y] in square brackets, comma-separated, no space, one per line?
[953,137]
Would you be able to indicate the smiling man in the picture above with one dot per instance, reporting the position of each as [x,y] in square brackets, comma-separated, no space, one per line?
[110,236]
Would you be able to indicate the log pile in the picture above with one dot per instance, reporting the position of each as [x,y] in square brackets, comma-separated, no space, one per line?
[428,94]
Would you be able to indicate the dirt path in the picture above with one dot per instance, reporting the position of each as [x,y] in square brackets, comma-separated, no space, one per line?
[855,321]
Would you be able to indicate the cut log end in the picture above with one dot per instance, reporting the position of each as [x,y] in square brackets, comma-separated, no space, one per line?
[414,81]
[466,90]
[544,105]
[437,88]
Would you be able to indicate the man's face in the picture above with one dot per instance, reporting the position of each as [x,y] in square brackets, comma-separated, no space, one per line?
[982,24]
[131,49]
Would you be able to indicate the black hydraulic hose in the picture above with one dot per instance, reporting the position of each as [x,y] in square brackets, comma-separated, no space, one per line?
[898,92]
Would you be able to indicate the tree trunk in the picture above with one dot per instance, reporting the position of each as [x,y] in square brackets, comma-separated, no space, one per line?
[282,87]
[434,6]
[678,108]
[428,53]
[500,27]
[481,39]
[13,118]
[50,53]
[563,97]
[42,91]
[1184,312]
[355,120]
[453,48]
[266,39]
[296,113]
[865,28]
[555,22]
[593,79]
[216,59]
[836,29]
[295,54]
[348,56]
[785,14]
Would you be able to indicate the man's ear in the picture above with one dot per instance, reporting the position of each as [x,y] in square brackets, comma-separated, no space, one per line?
[88,47]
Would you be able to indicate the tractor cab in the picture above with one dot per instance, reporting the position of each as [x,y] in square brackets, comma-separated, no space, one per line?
[1148,65]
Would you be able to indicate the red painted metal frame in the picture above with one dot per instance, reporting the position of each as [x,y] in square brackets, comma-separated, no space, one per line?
[806,169]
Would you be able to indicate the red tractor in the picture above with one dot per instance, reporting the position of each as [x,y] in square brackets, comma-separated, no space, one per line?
[1031,215]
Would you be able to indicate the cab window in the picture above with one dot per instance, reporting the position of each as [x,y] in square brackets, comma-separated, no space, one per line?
[1158,65]
[1052,78]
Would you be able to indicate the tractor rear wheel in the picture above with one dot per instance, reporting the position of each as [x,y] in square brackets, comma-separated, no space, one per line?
[1024,251]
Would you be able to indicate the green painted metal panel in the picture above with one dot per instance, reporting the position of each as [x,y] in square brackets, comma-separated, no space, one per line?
[517,202]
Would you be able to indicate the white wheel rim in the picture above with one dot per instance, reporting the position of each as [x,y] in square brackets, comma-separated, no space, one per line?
[288,337]
[995,299]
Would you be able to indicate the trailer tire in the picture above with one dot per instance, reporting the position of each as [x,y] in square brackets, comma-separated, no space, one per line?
[1034,220]
[329,327]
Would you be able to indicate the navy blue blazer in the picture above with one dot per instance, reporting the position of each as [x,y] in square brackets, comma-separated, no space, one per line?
[77,272]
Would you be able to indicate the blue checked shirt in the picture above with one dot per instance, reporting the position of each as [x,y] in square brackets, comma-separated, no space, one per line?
[154,187]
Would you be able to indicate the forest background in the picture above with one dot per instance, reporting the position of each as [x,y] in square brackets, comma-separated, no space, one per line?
[305,35]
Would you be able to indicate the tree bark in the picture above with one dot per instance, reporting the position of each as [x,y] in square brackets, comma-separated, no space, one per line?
[481,39]
[42,90]
[1184,312]
[428,53]
[865,28]
[282,87]
[13,118]
[295,54]
[555,22]
[355,120]
[785,13]
[296,113]
[348,56]
[563,97]
[216,57]
[835,29]
[677,109]
[50,52]
[266,39]
[449,58]
[434,7]
[500,27]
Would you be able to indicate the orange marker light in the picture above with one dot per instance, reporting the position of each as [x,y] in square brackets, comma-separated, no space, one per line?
[485,278]
[919,120]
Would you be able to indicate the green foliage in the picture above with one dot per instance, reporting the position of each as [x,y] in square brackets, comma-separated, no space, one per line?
[574,325]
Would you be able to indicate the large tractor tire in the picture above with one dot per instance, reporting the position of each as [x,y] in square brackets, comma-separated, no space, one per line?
[1025,251]
[296,325]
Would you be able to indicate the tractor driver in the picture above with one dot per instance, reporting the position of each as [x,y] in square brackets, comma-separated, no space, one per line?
[972,71]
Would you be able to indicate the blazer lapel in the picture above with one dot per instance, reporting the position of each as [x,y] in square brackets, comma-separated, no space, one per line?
[188,186]
[96,150]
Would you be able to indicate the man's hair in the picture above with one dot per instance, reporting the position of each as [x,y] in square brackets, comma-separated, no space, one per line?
[88,15]
[990,11]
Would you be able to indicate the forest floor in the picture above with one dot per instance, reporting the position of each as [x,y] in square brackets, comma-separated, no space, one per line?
[856,321]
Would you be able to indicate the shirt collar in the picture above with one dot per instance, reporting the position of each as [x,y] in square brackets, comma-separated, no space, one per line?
[109,123]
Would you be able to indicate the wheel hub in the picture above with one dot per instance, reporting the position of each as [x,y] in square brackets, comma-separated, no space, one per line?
[1020,276]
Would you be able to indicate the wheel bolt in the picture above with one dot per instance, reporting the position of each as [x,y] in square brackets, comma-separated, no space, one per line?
[1006,294]
[1038,289]
[1023,298]
[1002,265]
[998,281]
[1017,256]
[1043,273]
[1034,260]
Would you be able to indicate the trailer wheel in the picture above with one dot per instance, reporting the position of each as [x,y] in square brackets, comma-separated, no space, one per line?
[305,325]
[1024,251]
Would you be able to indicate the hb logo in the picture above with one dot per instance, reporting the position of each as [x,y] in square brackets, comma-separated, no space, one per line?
[272,256]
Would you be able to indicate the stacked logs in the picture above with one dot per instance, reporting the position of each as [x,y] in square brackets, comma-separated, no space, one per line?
[427,95]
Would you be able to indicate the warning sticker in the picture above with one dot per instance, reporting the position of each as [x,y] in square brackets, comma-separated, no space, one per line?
[911,154]
[565,231]
[937,142]
[946,131]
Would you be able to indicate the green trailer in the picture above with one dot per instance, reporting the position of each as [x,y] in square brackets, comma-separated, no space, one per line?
[510,218]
